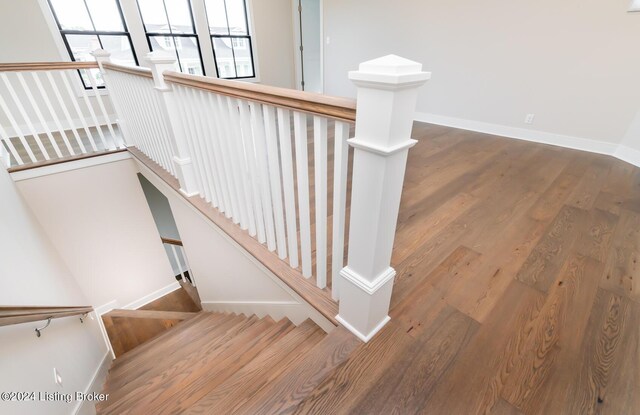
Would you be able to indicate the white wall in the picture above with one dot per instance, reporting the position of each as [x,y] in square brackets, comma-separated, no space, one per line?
[274,41]
[32,273]
[573,63]
[100,222]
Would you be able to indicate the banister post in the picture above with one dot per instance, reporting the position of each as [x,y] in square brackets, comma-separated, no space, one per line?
[160,62]
[102,56]
[387,94]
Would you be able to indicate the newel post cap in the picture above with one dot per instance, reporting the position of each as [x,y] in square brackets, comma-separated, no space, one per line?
[101,53]
[160,57]
[391,70]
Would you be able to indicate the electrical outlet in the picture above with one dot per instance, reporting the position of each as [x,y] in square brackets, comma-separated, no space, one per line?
[529,118]
[56,377]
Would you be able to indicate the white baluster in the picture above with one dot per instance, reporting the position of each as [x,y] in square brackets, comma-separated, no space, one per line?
[302,174]
[98,96]
[52,112]
[92,113]
[215,153]
[340,169]
[24,115]
[65,79]
[36,109]
[252,163]
[5,137]
[189,134]
[274,178]
[65,111]
[243,168]
[257,124]
[320,169]
[237,162]
[17,130]
[286,158]
[200,143]
[222,123]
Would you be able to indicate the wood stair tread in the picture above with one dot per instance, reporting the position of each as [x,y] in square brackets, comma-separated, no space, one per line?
[168,315]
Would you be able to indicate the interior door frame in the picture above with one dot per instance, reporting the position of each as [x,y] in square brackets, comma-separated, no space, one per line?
[296,44]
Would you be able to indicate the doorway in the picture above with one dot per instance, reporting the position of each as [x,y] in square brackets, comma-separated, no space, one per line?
[308,32]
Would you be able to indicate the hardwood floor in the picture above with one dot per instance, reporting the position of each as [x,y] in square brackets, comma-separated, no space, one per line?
[516,289]
[516,293]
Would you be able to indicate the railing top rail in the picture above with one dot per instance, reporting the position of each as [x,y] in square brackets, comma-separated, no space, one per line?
[45,66]
[133,70]
[329,106]
[171,241]
[25,314]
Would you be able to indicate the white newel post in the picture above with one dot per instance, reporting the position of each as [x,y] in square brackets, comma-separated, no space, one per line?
[159,63]
[387,94]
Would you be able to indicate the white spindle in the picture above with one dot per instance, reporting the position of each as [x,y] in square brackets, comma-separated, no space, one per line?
[65,79]
[302,174]
[98,96]
[24,115]
[177,261]
[143,127]
[17,130]
[237,161]
[274,178]
[117,85]
[65,111]
[5,137]
[36,108]
[286,158]
[215,155]
[163,126]
[220,114]
[92,113]
[200,141]
[245,178]
[254,176]
[257,124]
[320,169]
[52,112]
[146,88]
[340,166]
[187,122]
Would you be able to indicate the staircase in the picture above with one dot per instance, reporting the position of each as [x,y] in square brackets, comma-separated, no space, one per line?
[218,363]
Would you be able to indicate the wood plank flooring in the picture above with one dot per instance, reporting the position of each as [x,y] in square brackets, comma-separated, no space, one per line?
[516,293]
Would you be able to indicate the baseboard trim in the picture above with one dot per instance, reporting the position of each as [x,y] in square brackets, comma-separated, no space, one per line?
[95,385]
[153,296]
[577,143]
[364,337]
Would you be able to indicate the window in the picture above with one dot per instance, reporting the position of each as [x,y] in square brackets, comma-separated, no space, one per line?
[169,26]
[87,25]
[229,30]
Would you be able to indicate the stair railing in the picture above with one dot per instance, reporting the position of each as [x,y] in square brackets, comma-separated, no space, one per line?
[54,111]
[10,315]
[178,257]
[261,155]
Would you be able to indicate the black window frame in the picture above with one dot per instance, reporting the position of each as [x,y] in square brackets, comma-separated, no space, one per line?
[172,35]
[94,32]
[229,36]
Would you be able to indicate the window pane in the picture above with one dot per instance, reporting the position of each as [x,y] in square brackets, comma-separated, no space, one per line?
[105,15]
[161,43]
[179,16]
[120,49]
[236,16]
[216,16]
[72,14]
[242,51]
[189,55]
[224,57]
[82,46]
[154,16]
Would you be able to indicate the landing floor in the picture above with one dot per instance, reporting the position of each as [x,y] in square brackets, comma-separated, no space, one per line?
[516,290]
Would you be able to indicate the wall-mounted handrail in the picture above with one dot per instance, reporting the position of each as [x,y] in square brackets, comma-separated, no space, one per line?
[45,66]
[171,241]
[333,107]
[25,314]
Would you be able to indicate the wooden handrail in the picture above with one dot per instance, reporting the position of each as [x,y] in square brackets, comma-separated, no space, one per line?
[318,104]
[133,70]
[25,314]
[171,241]
[45,66]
